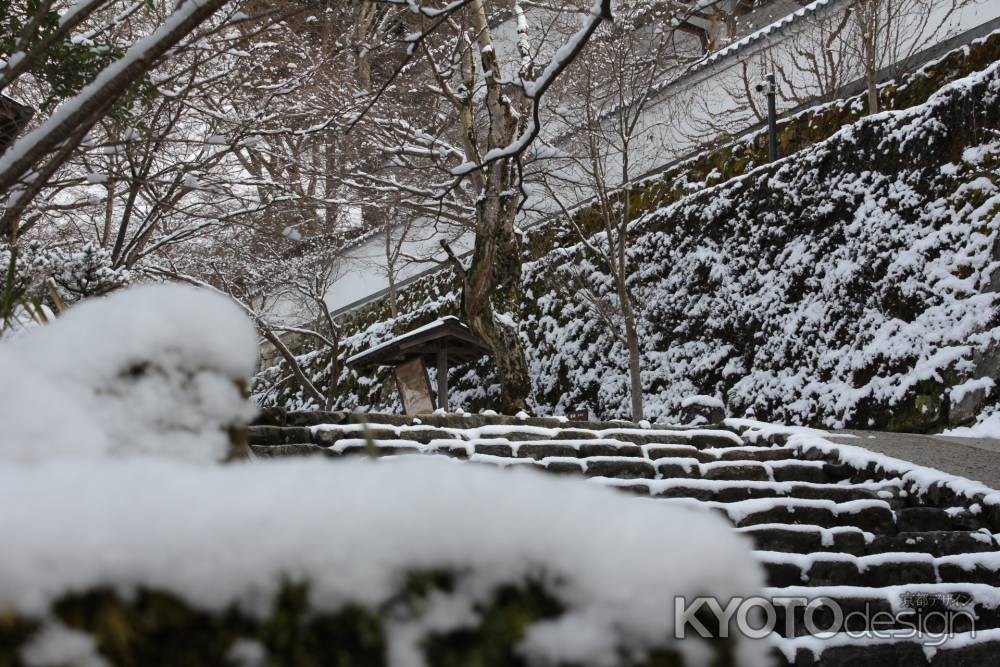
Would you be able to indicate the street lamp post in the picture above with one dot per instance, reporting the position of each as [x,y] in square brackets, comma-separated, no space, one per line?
[772,118]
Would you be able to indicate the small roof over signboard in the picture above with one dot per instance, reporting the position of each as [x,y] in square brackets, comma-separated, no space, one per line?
[425,342]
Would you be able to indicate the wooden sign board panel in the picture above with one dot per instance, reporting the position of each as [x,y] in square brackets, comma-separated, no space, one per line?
[414,388]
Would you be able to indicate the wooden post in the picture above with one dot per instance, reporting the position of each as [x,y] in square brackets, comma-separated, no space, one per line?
[442,372]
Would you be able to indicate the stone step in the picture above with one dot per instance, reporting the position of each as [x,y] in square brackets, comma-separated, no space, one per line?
[936,543]
[978,649]
[930,608]
[287,451]
[543,449]
[879,570]
[701,438]
[804,539]
[872,516]
[717,441]
[727,491]
[711,454]
[786,470]
[265,436]
[979,568]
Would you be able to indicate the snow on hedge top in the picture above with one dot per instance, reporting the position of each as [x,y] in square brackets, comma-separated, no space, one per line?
[704,401]
[150,370]
[354,529]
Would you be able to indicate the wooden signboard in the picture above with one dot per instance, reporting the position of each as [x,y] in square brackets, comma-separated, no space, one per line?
[414,387]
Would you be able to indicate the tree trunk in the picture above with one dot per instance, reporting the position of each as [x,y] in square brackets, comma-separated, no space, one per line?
[620,265]
[333,389]
[495,272]
[330,185]
[634,352]
[867,13]
[390,268]
[393,297]
[109,214]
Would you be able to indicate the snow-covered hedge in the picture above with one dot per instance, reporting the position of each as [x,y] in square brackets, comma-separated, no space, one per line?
[849,284]
[125,543]
[399,562]
[157,369]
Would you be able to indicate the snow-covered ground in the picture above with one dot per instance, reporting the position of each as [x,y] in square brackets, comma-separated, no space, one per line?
[988,426]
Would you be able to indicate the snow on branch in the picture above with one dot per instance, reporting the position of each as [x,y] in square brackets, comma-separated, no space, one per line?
[536,89]
[67,127]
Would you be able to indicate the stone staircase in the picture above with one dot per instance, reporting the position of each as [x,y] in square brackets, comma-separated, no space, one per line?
[876,538]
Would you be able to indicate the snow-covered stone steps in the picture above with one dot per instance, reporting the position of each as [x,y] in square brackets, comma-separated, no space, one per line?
[809,539]
[931,608]
[873,516]
[785,470]
[826,519]
[879,570]
[711,454]
[597,458]
[623,440]
[727,491]
[963,649]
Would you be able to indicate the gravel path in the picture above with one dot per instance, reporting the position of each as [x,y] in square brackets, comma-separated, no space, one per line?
[975,458]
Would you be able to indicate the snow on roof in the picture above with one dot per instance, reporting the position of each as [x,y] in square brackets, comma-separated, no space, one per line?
[449,330]
[448,319]
[769,30]
[748,45]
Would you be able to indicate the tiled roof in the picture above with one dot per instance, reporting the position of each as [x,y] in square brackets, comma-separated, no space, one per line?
[827,518]
[750,44]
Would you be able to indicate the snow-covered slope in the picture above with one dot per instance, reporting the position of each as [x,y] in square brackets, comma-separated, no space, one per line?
[849,284]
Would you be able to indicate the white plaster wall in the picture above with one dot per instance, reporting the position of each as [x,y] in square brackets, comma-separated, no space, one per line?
[668,134]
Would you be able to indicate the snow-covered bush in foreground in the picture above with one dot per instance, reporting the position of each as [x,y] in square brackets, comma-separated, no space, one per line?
[151,370]
[399,562]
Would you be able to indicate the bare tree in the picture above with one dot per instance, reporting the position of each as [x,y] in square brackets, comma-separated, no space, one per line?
[606,98]
[862,42]
[483,121]
[27,166]
[887,32]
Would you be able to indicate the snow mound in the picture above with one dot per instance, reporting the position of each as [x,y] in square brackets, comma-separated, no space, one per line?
[354,529]
[987,426]
[153,370]
[703,401]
